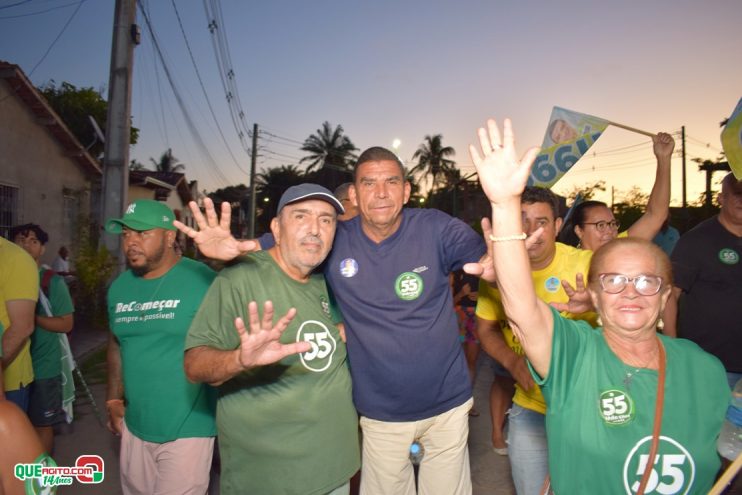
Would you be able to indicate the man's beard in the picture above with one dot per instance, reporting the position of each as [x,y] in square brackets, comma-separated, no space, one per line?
[150,263]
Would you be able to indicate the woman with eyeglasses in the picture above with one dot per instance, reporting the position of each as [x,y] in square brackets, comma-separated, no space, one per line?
[593,223]
[617,396]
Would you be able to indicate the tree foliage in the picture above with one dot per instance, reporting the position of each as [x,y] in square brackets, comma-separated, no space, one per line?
[239,198]
[630,206]
[586,191]
[94,267]
[230,194]
[433,160]
[271,184]
[167,162]
[329,148]
[73,105]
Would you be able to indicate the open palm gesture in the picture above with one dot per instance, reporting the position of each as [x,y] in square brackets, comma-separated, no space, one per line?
[213,237]
[262,344]
[502,176]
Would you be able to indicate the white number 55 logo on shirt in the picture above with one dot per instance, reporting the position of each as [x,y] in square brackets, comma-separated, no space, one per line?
[319,357]
[673,470]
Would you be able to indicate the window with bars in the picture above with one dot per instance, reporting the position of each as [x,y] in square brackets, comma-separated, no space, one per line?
[8,208]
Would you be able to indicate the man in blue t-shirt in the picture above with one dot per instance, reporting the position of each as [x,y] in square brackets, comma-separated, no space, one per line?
[388,270]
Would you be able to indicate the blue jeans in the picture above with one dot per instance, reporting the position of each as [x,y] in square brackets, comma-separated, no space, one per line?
[529,456]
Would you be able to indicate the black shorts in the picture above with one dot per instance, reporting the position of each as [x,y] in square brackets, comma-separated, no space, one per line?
[45,405]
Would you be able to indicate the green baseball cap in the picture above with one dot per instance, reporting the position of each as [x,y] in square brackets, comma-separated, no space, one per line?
[143,214]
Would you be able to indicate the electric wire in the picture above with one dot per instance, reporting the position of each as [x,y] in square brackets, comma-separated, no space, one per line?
[3,7]
[226,72]
[30,14]
[200,144]
[273,135]
[203,88]
[64,28]
[158,102]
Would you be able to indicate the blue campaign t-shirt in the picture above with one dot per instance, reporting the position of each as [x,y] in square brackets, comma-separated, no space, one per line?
[405,357]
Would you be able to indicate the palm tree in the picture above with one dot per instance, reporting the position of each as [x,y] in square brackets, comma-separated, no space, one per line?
[271,184]
[329,148]
[167,163]
[432,159]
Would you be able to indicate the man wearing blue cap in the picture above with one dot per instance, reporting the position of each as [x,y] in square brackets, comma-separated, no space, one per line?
[289,427]
[166,423]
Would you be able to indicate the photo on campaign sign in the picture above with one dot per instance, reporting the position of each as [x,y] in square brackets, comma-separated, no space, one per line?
[568,136]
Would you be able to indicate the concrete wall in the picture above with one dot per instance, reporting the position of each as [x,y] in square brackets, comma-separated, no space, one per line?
[53,188]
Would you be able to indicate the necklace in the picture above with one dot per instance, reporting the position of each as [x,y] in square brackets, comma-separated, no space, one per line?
[146,307]
[635,369]
[632,363]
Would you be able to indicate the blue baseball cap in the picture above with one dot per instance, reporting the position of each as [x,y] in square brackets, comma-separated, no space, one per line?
[306,191]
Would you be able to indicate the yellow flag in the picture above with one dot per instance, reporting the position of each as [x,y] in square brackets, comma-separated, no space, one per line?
[731,141]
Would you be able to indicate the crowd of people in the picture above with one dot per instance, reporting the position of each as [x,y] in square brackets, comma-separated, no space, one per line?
[354,328]
[36,311]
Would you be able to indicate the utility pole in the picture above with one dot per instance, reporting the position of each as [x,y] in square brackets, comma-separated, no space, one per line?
[253,162]
[682,141]
[118,124]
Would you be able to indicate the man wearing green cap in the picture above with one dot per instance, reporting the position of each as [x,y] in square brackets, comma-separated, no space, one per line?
[166,423]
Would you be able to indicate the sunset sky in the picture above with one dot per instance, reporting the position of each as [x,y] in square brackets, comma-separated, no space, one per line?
[389,70]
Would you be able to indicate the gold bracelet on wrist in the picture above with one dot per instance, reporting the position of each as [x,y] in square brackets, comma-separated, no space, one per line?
[517,237]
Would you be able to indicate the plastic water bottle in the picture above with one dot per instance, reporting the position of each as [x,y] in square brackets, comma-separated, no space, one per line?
[416,453]
[730,438]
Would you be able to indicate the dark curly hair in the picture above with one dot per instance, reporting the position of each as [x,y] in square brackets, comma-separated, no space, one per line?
[24,230]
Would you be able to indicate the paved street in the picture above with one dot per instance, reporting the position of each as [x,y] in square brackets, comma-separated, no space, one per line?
[490,472]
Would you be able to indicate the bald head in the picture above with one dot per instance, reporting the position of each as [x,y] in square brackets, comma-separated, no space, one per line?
[730,200]
[730,180]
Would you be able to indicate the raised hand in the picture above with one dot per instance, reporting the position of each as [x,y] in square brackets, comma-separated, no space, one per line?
[262,345]
[213,236]
[663,145]
[579,298]
[502,176]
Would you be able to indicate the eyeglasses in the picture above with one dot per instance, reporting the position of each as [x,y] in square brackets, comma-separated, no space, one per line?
[615,283]
[602,225]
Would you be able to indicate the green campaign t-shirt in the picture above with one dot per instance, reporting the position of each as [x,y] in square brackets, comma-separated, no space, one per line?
[600,416]
[45,351]
[290,427]
[150,319]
